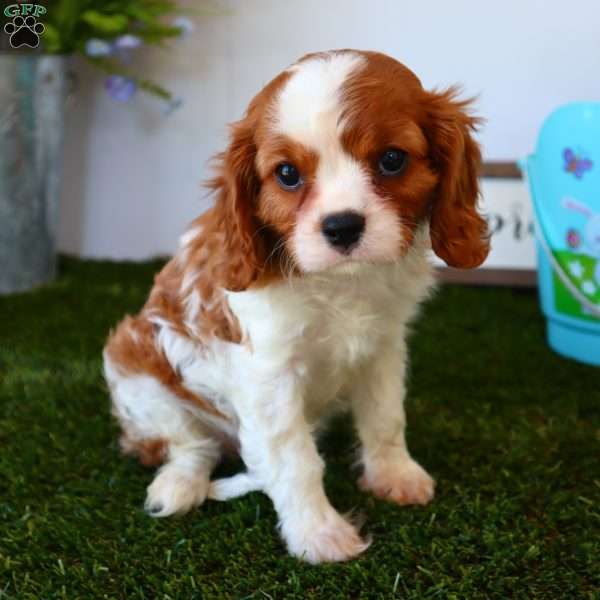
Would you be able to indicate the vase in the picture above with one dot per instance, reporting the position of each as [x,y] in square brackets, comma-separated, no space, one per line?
[33,91]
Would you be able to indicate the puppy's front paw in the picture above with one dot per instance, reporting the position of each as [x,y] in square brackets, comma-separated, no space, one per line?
[404,482]
[174,491]
[331,539]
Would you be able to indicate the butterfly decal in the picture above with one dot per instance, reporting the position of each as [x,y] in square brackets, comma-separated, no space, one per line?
[576,164]
[573,238]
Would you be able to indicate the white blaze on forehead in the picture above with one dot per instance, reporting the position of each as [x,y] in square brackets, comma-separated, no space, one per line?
[309,107]
[309,110]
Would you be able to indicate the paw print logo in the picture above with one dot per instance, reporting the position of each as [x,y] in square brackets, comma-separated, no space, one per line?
[24,31]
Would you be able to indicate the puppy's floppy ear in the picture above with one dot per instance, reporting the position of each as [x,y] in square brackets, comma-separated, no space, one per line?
[459,234]
[238,186]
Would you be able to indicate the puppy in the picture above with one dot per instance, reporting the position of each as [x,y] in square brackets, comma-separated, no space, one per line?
[290,298]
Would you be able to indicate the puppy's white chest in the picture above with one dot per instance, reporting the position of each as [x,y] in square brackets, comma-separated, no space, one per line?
[343,332]
[322,329]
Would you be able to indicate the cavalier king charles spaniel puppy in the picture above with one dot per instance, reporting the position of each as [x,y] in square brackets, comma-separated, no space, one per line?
[290,299]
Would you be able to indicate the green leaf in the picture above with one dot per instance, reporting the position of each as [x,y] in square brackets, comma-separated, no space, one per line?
[67,11]
[52,40]
[106,24]
[155,33]
[63,17]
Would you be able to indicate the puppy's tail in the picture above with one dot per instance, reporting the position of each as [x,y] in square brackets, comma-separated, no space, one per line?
[233,487]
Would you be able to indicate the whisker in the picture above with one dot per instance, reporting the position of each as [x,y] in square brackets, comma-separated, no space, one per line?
[278,246]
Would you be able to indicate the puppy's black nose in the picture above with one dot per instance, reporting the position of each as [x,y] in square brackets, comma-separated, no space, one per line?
[343,230]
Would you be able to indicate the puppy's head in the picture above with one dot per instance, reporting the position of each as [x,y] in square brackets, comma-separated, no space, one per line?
[340,159]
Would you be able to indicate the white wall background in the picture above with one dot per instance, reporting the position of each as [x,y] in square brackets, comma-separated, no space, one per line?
[132,176]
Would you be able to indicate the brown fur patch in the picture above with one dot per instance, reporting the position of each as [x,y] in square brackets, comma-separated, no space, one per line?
[132,350]
[151,452]
[459,234]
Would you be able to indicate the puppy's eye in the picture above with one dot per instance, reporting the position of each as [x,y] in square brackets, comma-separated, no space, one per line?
[288,176]
[392,162]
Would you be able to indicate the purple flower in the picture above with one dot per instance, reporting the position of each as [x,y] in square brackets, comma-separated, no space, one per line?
[125,45]
[186,25]
[120,88]
[128,42]
[96,48]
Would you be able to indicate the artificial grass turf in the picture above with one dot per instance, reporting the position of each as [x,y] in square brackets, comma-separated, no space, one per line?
[510,431]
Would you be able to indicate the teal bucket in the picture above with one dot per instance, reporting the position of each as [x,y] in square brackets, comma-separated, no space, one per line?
[564,180]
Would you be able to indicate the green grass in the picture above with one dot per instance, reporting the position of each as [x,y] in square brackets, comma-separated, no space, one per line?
[510,431]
